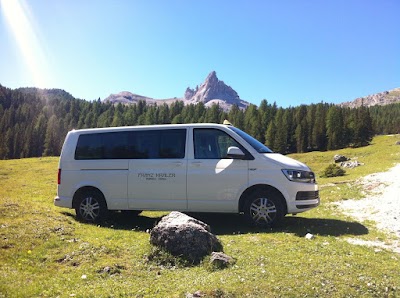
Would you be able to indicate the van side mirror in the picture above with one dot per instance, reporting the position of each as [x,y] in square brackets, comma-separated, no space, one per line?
[235,153]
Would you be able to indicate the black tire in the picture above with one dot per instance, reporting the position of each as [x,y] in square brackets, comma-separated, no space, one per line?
[264,208]
[91,206]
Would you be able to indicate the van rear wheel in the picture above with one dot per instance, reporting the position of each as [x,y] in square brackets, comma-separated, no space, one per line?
[264,208]
[91,207]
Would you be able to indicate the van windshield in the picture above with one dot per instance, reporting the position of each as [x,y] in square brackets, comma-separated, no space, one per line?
[258,146]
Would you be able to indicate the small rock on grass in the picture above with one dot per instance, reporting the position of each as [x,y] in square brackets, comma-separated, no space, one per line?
[221,260]
[309,236]
[195,294]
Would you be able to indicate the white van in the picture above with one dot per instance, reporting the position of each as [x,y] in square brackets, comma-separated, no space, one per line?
[183,167]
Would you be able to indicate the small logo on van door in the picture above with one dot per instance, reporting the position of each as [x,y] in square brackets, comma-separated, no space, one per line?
[156,176]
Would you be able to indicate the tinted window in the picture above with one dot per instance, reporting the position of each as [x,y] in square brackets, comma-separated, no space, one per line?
[115,145]
[212,143]
[144,144]
[89,147]
[132,145]
[172,144]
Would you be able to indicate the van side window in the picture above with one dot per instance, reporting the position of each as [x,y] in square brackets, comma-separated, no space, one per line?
[115,145]
[147,144]
[212,143]
[156,144]
[144,144]
[172,144]
[89,147]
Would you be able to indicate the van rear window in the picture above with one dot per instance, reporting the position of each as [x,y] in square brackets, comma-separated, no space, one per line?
[144,144]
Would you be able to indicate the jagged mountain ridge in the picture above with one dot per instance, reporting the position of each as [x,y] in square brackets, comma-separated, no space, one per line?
[214,91]
[381,99]
[126,97]
[211,91]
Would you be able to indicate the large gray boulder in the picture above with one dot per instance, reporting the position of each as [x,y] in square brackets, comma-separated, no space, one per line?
[184,236]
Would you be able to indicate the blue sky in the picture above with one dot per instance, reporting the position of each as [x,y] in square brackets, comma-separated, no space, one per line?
[291,52]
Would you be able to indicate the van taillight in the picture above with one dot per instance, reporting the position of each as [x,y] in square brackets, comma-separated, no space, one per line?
[59,177]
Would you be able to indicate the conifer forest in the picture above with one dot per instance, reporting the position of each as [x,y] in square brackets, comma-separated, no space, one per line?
[34,122]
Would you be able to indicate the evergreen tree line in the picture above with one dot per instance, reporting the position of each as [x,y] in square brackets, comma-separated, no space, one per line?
[34,122]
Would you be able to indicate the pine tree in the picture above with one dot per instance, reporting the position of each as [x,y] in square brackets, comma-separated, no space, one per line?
[335,128]
[177,119]
[39,135]
[311,110]
[150,116]
[252,123]
[318,137]
[8,144]
[164,114]
[51,144]
[301,129]
[213,114]
[281,126]
[270,136]
[363,131]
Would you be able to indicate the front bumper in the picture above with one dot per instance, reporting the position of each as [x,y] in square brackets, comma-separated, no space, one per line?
[307,199]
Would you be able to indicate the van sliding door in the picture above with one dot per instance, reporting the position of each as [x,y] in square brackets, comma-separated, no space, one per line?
[157,171]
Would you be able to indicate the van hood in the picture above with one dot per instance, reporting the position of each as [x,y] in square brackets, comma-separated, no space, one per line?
[286,162]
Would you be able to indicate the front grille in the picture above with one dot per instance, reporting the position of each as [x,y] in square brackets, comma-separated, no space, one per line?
[307,195]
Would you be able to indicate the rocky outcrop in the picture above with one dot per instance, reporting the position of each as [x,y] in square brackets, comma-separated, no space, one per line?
[184,236]
[126,97]
[381,99]
[189,93]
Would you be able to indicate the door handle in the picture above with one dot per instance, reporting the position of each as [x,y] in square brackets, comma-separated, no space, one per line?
[177,163]
[196,163]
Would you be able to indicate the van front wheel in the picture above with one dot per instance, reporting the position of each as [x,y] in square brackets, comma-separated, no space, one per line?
[91,207]
[264,209]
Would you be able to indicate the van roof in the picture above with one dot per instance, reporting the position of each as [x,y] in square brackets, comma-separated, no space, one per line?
[145,127]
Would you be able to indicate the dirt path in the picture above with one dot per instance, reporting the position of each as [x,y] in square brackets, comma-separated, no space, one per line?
[381,205]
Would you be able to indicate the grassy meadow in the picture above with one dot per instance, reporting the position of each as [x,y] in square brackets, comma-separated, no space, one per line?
[46,252]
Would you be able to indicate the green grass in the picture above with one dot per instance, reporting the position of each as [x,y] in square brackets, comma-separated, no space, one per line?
[45,252]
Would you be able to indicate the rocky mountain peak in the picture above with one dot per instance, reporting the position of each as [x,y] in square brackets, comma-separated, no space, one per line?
[214,91]
[212,78]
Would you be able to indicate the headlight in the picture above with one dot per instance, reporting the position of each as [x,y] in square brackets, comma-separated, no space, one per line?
[299,176]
